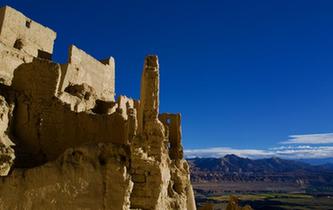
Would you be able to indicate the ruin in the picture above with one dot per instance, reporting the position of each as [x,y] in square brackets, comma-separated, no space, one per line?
[66,143]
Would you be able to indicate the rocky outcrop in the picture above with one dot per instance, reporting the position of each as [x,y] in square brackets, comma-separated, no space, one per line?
[7,154]
[74,145]
[87,177]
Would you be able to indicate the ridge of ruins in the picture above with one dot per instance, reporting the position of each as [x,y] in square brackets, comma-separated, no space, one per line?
[66,143]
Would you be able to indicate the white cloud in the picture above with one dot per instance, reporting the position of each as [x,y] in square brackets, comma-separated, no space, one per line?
[322,138]
[303,152]
[309,147]
[287,152]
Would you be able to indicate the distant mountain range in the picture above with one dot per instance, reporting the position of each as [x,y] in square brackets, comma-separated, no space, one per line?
[235,174]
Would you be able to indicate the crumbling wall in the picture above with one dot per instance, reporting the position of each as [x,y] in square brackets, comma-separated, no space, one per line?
[172,123]
[10,59]
[83,68]
[21,39]
[180,187]
[45,125]
[22,33]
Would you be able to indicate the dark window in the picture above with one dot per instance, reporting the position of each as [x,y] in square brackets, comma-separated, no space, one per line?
[28,23]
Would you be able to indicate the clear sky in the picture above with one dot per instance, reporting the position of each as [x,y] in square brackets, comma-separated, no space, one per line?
[244,74]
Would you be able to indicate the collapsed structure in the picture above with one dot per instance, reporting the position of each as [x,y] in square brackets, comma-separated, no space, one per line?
[66,143]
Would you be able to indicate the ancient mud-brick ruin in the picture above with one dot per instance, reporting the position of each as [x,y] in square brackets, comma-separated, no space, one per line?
[67,144]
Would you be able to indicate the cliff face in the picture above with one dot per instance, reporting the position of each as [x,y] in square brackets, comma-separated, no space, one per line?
[65,143]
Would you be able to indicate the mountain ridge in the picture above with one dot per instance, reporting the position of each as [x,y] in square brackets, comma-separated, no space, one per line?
[234,173]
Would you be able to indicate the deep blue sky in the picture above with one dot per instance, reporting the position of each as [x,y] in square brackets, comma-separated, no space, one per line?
[244,74]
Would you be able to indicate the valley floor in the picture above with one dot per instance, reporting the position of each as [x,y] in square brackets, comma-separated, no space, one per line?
[271,201]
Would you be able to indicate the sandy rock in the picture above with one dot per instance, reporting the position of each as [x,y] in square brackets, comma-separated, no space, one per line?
[87,177]
[85,96]
[7,154]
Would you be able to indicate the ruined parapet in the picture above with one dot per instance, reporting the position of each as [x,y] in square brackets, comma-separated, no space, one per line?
[21,39]
[46,118]
[172,123]
[83,68]
[20,32]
